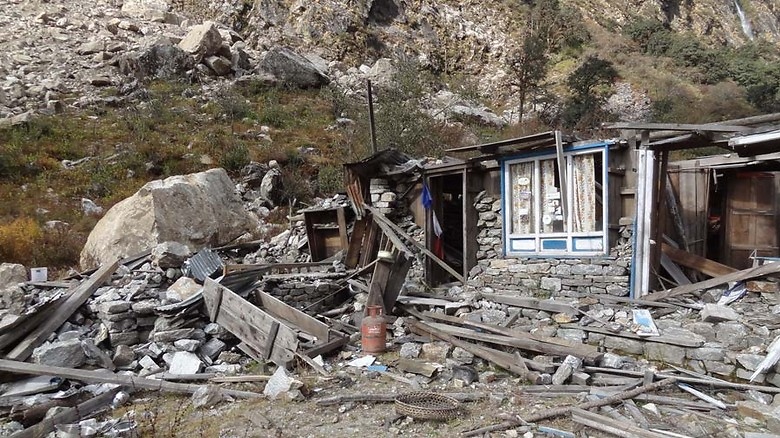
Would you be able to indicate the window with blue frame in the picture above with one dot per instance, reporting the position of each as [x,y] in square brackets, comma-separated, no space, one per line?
[542,216]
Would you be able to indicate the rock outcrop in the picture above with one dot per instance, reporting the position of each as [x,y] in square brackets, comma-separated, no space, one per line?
[196,210]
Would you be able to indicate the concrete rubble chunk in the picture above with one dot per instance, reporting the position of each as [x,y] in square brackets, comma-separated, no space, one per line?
[197,210]
[202,40]
[280,383]
[68,354]
[716,313]
[184,362]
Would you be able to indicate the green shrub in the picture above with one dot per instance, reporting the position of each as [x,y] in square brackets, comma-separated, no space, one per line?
[330,180]
[235,158]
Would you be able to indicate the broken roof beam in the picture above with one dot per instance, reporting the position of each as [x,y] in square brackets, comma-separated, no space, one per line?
[378,216]
[682,142]
[520,143]
[677,127]
[101,376]
[760,271]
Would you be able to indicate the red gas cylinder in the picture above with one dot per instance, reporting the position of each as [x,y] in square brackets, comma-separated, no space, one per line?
[373,330]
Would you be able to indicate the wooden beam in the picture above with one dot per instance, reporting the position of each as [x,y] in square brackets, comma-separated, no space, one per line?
[611,426]
[771,268]
[379,216]
[64,311]
[503,360]
[677,274]
[564,410]
[102,376]
[533,303]
[677,127]
[562,175]
[521,343]
[673,205]
[588,352]
[701,264]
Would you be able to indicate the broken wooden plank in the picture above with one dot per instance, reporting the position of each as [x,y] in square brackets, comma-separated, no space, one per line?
[505,361]
[337,341]
[612,426]
[355,243]
[64,311]
[771,268]
[250,324]
[559,411]
[671,267]
[293,316]
[395,283]
[533,303]
[379,216]
[522,343]
[706,382]
[588,352]
[69,415]
[102,376]
[693,261]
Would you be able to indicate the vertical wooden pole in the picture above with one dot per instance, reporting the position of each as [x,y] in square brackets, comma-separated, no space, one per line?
[371,115]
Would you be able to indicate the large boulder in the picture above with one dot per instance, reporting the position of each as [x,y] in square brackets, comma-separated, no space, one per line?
[12,274]
[162,61]
[196,210]
[202,40]
[292,69]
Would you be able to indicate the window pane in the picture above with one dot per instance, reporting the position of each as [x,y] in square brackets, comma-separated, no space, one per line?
[552,211]
[522,180]
[587,208]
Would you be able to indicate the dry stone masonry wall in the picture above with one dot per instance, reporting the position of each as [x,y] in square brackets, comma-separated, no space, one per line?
[544,276]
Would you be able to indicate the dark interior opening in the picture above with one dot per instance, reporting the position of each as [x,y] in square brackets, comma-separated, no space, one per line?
[447,193]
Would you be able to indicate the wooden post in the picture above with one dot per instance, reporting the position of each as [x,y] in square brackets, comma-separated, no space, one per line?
[371,115]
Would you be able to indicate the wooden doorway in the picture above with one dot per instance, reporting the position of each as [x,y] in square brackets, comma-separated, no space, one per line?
[752,213]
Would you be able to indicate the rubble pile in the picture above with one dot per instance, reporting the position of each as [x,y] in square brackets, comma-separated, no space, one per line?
[172,315]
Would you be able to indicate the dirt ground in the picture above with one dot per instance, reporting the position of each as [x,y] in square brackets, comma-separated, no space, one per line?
[160,415]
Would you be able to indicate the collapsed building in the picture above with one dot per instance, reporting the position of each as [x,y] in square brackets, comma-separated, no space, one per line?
[589,257]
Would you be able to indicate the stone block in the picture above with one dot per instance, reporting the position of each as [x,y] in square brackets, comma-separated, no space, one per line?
[462,356]
[67,354]
[436,351]
[746,375]
[732,335]
[123,356]
[120,326]
[128,338]
[719,368]
[587,269]
[715,353]
[189,345]
[550,284]
[611,360]
[174,335]
[749,361]
[753,409]
[575,335]
[145,307]
[212,348]
[664,353]
[704,329]
[112,307]
[184,362]
[716,313]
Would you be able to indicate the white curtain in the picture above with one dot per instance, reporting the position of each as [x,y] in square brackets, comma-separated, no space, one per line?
[522,182]
[549,192]
[584,184]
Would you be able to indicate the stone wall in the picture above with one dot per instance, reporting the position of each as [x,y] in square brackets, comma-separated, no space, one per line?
[542,275]
[302,293]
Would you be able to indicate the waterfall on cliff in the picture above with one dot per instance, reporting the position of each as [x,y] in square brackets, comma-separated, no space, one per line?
[746,28]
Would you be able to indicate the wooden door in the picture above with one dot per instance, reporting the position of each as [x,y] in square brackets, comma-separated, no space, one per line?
[751,217]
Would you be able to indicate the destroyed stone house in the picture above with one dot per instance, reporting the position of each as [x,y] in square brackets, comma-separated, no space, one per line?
[546,214]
